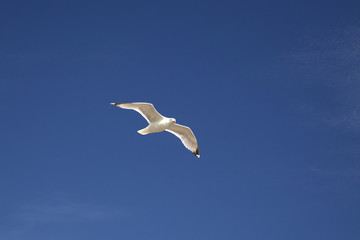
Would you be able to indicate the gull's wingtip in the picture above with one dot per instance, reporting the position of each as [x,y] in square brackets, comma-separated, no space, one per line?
[197,153]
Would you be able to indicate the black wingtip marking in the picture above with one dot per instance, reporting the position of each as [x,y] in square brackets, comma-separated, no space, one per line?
[197,152]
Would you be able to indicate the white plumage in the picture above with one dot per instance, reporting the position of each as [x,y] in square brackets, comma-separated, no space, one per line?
[159,123]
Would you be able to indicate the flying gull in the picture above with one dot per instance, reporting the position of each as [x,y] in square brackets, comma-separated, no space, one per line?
[159,123]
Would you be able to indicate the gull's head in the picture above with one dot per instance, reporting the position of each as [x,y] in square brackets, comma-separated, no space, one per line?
[173,120]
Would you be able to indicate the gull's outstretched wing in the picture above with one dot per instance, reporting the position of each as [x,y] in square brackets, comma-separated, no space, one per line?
[147,110]
[187,137]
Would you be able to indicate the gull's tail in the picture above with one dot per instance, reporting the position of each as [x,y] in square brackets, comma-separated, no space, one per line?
[143,131]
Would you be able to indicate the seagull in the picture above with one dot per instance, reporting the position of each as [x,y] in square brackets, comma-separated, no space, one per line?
[159,123]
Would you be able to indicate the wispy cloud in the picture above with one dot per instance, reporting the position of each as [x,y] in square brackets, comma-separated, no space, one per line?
[335,172]
[64,212]
[24,223]
[332,63]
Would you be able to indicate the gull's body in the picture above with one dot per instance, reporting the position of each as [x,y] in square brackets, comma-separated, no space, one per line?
[159,123]
[157,126]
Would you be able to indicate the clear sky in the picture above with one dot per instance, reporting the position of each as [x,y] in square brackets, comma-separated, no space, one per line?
[271,90]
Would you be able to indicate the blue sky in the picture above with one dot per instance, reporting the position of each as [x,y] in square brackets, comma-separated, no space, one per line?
[270,89]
